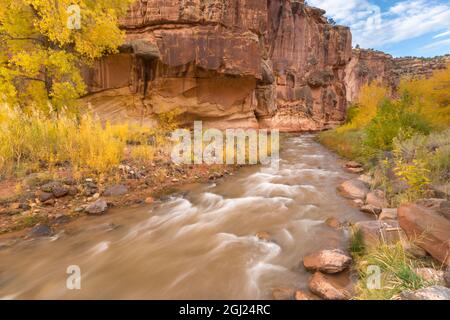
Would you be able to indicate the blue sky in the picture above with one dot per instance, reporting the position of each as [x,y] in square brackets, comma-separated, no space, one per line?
[398,27]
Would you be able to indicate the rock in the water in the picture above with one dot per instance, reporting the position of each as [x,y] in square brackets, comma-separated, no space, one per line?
[97,208]
[329,287]
[377,199]
[283,294]
[301,295]
[430,293]
[116,191]
[327,261]
[376,232]
[41,231]
[388,214]
[149,200]
[354,189]
[370,209]
[333,223]
[431,275]
[262,235]
[431,228]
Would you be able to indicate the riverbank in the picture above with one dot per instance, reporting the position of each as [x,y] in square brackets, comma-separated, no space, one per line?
[40,202]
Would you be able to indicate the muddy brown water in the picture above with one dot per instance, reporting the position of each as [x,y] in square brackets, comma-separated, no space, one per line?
[199,244]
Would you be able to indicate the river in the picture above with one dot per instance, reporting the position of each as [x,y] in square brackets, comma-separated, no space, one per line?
[198,244]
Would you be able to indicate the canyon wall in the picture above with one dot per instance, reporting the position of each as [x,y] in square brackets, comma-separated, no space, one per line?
[367,66]
[231,63]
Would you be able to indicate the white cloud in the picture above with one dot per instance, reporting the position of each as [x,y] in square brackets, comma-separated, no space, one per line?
[437,44]
[443,34]
[371,27]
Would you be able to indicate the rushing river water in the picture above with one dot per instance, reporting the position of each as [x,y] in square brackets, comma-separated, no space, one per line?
[200,244]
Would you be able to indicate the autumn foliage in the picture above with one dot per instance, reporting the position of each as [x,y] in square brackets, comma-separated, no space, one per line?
[41,56]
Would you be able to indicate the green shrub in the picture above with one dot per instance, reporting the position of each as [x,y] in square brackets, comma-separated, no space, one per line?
[393,118]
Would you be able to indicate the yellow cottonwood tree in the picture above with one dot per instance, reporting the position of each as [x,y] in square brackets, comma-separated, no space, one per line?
[44,44]
[431,96]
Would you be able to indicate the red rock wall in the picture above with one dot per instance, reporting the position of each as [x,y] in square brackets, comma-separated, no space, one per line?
[367,66]
[231,63]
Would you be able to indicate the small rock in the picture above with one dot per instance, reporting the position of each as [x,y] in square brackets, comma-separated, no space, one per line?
[50,202]
[73,191]
[358,203]
[430,293]
[79,209]
[44,196]
[301,295]
[328,287]
[353,164]
[333,223]
[96,196]
[377,198]
[61,219]
[327,261]
[262,235]
[116,191]
[414,250]
[56,188]
[354,189]
[366,179]
[60,191]
[388,214]
[15,206]
[41,231]
[370,209]
[355,170]
[283,294]
[431,275]
[149,200]
[447,277]
[97,208]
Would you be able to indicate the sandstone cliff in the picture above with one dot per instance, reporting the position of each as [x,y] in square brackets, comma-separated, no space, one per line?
[230,63]
[367,66]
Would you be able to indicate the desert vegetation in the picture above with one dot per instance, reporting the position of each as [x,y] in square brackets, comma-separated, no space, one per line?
[402,139]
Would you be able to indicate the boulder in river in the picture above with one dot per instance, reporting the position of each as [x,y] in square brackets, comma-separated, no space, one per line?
[97,208]
[329,287]
[429,293]
[302,295]
[354,189]
[283,294]
[41,230]
[431,229]
[327,261]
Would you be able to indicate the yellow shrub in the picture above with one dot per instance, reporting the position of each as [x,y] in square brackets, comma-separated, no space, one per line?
[431,96]
[143,153]
[370,97]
